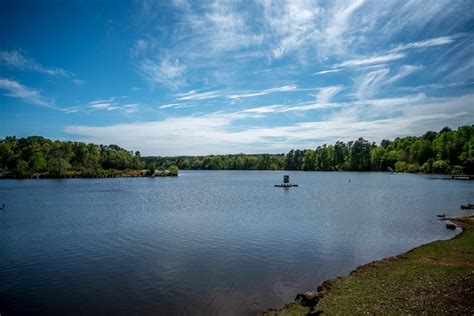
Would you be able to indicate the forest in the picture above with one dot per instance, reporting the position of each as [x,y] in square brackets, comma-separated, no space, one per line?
[37,156]
[445,152]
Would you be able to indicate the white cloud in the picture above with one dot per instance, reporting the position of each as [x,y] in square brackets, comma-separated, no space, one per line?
[216,133]
[335,37]
[287,88]
[326,94]
[167,106]
[111,99]
[226,28]
[195,95]
[17,59]
[15,89]
[109,105]
[393,55]
[102,106]
[328,71]
[289,25]
[371,60]
[443,40]
[369,84]
[404,71]
[167,72]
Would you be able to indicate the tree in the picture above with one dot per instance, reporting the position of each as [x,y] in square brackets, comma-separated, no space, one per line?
[22,169]
[440,166]
[151,168]
[58,167]
[174,170]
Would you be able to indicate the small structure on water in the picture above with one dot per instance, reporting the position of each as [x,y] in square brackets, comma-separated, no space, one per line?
[286,183]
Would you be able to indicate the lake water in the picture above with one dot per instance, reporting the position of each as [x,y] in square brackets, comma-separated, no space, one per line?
[206,242]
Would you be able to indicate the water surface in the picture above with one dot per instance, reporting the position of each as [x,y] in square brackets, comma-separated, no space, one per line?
[206,242]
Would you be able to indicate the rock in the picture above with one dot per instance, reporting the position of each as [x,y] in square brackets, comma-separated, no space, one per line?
[450,226]
[308,299]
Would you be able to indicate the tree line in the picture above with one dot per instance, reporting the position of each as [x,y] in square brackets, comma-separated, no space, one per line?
[446,151]
[24,157]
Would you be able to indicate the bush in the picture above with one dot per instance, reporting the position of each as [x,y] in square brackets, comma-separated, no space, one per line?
[401,166]
[457,170]
[174,170]
[413,168]
[440,166]
[426,168]
[151,168]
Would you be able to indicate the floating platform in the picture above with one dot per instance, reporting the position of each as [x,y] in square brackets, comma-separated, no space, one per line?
[286,183]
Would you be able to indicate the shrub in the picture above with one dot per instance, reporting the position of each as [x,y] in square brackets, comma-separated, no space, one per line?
[413,168]
[440,166]
[457,170]
[174,170]
[400,166]
[426,168]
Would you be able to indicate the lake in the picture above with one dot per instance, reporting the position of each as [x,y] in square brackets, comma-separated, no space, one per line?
[206,242]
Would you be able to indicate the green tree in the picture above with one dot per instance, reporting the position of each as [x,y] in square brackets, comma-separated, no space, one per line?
[58,167]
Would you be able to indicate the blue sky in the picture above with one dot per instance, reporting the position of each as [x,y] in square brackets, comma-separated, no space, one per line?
[208,77]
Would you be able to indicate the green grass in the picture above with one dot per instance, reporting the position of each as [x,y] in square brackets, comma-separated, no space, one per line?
[434,279]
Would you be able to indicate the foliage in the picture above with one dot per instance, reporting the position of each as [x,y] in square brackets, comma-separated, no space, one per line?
[151,167]
[173,170]
[440,166]
[23,157]
[443,152]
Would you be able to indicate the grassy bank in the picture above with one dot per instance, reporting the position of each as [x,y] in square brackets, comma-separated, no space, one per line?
[434,279]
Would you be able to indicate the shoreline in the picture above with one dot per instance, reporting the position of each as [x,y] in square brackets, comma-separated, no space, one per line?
[99,175]
[437,277]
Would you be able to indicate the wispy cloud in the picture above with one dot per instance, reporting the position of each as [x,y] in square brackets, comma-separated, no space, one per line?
[404,71]
[438,41]
[167,72]
[195,95]
[370,60]
[367,85]
[392,55]
[287,88]
[326,94]
[111,105]
[215,132]
[323,72]
[15,89]
[111,99]
[19,60]
[169,105]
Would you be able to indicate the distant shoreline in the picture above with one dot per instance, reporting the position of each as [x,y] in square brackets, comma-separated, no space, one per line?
[103,174]
[432,278]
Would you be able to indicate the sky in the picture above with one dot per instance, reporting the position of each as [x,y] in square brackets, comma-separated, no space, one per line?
[184,77]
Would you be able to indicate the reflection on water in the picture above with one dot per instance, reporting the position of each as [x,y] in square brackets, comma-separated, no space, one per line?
[215,242]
